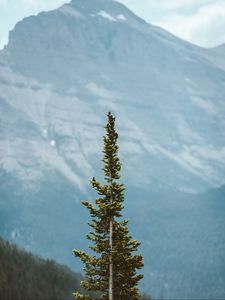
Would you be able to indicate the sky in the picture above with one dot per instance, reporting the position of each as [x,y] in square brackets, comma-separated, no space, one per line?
[201,22]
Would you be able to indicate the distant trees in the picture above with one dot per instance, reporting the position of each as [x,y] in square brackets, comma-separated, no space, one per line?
[112,271]
[24,276]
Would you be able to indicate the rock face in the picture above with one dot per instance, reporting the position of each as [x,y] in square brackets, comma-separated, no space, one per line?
[59,74]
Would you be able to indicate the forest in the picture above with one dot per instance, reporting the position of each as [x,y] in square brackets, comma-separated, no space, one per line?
[25,276]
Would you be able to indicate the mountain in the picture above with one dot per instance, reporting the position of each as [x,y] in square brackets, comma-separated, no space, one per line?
[60,73]
[100,56]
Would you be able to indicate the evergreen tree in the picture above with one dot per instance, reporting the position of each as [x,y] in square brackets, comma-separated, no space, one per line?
[112,271]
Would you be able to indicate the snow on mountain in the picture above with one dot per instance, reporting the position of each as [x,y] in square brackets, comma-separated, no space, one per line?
[170,94]
[60,73]
[216,56]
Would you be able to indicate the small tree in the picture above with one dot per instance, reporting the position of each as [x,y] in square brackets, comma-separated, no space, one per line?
[112,271]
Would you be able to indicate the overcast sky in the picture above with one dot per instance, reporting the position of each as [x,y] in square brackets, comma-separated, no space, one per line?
[201,22]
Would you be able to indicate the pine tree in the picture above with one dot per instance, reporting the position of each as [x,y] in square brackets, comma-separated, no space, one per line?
[112,271]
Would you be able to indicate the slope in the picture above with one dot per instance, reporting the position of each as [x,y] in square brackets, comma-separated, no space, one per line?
[24,276]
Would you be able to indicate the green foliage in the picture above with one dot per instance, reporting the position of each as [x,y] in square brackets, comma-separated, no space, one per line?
[108,207]
[25,276]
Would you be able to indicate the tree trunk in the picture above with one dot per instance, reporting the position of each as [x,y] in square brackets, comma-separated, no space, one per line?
[111,247]
[110,261]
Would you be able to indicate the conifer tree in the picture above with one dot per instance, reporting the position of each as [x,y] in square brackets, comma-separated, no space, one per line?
[112,270]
